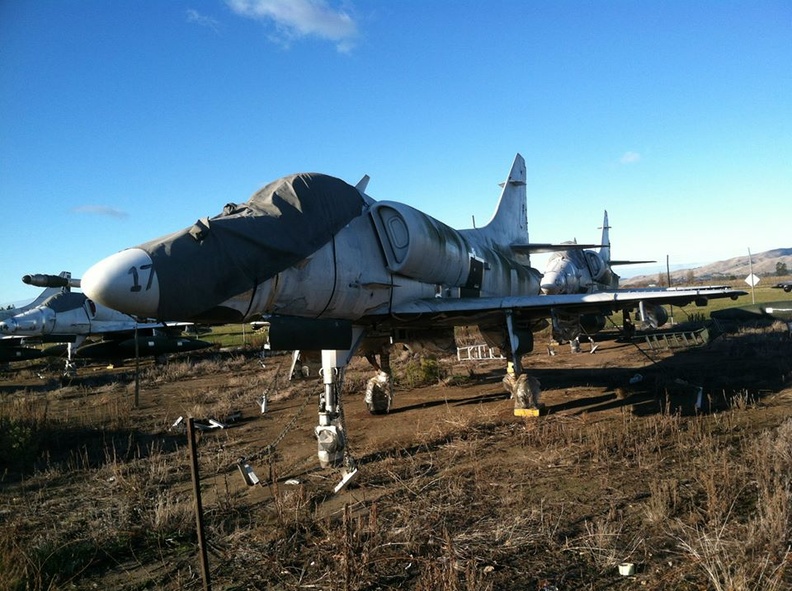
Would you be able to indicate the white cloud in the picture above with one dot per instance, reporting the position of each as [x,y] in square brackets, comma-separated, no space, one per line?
[295,19]
[103,210]
[630,158]
[193,16]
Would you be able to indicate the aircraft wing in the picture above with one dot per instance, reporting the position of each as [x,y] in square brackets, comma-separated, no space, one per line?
[458,311]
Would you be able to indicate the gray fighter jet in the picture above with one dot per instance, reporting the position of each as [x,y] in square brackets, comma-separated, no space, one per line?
[13,348]
[63,279]
[332,269]
[61,315]
[575,268]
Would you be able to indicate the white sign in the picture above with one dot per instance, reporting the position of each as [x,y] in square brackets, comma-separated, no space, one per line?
[752,280]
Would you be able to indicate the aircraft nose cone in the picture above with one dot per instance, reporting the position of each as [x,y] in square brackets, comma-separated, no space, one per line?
[125,281]
[550,284]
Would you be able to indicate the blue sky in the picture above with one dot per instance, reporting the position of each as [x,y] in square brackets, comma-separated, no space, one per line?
[124,121]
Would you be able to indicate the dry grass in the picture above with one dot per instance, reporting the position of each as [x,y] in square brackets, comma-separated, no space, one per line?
[97,497]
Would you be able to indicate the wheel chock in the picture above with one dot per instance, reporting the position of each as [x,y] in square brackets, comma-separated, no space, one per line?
[526,412]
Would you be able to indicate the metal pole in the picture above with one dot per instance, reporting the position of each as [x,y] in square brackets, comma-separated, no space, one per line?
[668,272]
[199,524]
[137,369]
[668,275]
[751,275]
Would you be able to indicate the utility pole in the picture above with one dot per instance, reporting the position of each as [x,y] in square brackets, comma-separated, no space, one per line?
[753,281]
[137,368]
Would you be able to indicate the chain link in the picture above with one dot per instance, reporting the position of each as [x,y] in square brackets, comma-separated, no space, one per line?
[270,448]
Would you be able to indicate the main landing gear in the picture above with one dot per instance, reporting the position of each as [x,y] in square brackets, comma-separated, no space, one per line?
[379,389]
[524,389]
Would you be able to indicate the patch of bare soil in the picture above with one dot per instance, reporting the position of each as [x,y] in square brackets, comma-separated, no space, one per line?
[679,463]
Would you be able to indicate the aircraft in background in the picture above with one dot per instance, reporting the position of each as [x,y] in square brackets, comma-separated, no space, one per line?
[571,269]
[12,348]
[763,314]
[785,285]
[333,269]
[14,310]
[575,269]
[60,315]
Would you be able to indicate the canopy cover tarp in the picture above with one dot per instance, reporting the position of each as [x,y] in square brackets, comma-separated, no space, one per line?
[246,244]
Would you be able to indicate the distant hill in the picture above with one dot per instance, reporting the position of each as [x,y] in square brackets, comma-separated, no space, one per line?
[764,265]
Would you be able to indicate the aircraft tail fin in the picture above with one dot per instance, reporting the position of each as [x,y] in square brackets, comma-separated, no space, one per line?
[605,249]
[362,184]
[509,224]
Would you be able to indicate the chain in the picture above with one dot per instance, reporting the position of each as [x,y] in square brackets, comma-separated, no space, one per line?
[270,449]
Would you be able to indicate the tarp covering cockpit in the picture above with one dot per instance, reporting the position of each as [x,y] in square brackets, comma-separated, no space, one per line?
[246,244]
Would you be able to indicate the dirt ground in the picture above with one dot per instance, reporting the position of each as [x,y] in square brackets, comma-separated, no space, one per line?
[453,490]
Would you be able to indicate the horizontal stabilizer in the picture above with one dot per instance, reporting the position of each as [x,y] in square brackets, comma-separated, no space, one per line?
[538,248]
[614,263]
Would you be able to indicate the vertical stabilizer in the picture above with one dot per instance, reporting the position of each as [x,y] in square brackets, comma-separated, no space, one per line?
[43,296]
[509,224]
[604,251]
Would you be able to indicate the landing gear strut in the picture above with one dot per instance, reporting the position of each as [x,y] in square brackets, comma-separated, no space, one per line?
[330,432]
[524,389]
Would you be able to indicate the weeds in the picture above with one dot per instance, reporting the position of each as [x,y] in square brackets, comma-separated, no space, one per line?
[475,501]
[663,501]
[422,371]
[750,548]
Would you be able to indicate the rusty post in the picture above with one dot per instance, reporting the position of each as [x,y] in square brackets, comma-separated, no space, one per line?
[199,524]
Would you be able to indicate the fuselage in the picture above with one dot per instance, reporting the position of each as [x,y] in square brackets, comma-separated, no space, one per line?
[380,259]
[577,271]
[312,246]
[66,313]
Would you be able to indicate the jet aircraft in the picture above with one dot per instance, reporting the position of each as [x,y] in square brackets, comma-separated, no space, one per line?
[785,285]
[333,269]
[755,314]
[61,315]
[572,269]
[575,268]
[12,349]
[64,278]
